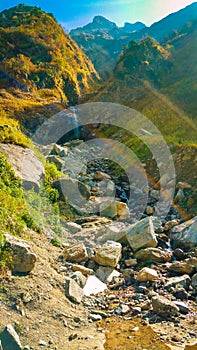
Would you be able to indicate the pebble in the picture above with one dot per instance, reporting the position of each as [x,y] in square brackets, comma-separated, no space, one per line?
[95,317]
[135,329]
[183,308]
[42,343]
[122,309]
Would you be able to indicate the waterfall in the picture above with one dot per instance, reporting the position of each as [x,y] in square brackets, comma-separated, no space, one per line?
[76,123]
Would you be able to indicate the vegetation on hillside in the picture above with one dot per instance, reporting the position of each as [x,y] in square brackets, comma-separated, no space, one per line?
[35,53]
[180,84]
[148,59]
[23,210]
[103,43]
[160,82]
[14,217]
[10,132]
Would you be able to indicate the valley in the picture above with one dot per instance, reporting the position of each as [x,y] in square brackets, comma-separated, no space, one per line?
[98,183]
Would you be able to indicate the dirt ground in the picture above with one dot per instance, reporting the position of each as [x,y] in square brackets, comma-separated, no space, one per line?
[43,317]
[37,307]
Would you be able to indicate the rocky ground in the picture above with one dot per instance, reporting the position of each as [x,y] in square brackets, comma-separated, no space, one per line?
[116,282]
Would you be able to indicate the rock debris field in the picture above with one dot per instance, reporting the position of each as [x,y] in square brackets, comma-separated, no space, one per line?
[115,282]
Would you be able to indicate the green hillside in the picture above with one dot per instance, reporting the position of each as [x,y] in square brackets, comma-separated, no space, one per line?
[103,41]
[181,83]
[160,82]
[35,54]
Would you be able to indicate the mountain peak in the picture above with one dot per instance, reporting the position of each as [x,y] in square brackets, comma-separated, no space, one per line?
[103,22]
[133,27]
[102,19]
[99,23]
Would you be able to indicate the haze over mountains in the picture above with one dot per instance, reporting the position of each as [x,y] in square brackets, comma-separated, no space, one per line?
[102,40]
[160,82]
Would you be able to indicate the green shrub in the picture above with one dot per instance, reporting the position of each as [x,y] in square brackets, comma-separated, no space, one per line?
[56,242]
[10,132]
[14,216]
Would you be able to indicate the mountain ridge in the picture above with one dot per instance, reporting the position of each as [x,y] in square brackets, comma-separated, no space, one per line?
[102,23]
[160,30]
[160,82]
[104,48]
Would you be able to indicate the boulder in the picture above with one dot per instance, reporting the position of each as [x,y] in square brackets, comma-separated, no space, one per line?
[115,232]
[170,224]
[184,235]
[141,234]
[99,176]
[122,211]
[109,254]
[84,270]
[71,227]
[179,196]
[95,317]
[179,254]
[113,208]
[164,307]
[106,274]
[149,210]
[76,253]
[73,190]
[93,286]
[194,281]
[59,150]
[184,185]
[10,339]
[122,309]
[192,261]
[153,255]
[181,293]
[182,281]
[155,194]
[73,291]
[59,162]
[79,278]
[182,268]
[183,307]
[191,346]
[23,259]
[130,262]
[108,209]
[147,274]
[25,165]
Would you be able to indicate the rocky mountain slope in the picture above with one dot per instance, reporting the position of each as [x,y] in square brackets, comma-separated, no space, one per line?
[174,22]
[157,81]
[101,25]
[37,54]
[102,41]
[103,44]
[99,283]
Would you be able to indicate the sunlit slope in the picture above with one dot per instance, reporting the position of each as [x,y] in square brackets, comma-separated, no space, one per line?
[160,82]
[35,53]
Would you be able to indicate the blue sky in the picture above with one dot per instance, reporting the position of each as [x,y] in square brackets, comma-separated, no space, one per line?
[75,13]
